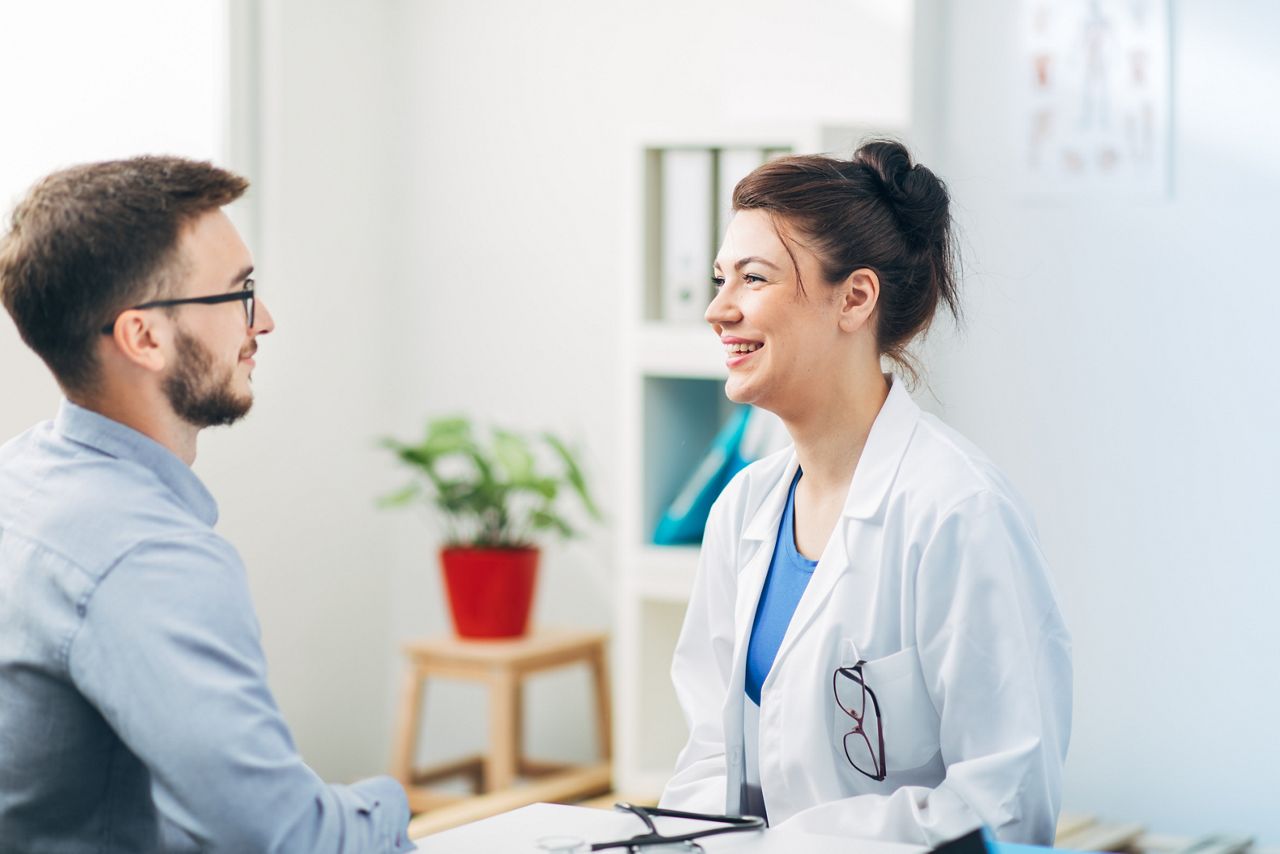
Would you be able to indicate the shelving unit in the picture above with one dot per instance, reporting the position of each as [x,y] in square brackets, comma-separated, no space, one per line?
[672,404]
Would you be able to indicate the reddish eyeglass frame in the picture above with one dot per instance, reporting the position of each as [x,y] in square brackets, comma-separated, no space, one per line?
[854,674]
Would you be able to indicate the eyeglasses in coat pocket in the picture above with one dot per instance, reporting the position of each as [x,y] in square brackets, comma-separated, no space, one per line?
[907,717]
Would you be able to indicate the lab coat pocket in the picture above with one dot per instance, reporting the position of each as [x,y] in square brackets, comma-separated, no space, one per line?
[907,716]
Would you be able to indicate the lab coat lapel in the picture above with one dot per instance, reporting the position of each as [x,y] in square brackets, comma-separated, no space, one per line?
[877,467]
[882,456]
[757,541]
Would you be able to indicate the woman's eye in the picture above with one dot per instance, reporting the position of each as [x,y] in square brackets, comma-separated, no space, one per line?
[718,281]
[753,279]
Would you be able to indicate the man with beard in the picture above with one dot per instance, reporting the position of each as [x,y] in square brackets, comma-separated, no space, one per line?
[134,708]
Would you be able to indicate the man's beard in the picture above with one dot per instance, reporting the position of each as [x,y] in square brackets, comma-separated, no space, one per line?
[196,395]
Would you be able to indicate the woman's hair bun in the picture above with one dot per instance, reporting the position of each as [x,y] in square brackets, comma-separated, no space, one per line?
[918,197]
[878,211]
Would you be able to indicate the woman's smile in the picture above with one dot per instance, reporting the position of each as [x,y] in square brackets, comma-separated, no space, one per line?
[738,350]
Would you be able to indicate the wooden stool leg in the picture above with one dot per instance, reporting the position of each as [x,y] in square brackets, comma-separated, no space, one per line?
[504,722]
[407,727]
[604,713]
[517,725]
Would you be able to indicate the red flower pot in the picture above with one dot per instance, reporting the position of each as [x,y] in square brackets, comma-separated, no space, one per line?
[490,590]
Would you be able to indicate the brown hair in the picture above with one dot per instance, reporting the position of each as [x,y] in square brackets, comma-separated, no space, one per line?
[89,241]
[877,211]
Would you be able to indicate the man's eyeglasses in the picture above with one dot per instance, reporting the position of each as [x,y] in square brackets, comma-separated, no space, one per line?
[852,693]
[652,838]
[245,295]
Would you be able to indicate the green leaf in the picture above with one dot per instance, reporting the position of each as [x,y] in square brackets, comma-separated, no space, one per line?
[409,454]
[455,425]
[545,520]
[573,474]
[513,454]
[545,488]
[401,497]
[448,436]
[416,457]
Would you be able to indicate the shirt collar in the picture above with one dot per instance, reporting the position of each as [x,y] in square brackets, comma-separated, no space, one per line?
[88,428]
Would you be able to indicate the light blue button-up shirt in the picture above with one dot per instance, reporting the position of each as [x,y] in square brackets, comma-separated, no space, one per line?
[134,707]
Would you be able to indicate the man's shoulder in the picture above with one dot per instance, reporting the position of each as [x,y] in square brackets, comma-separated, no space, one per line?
[87,506]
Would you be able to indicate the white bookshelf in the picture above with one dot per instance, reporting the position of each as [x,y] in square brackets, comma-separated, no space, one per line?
[679,350]
[672,404]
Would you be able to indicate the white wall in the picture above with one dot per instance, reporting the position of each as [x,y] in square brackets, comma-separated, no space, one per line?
[1120,362]
[78,97]
[297,481]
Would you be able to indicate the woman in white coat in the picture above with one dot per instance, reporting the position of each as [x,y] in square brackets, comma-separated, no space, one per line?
[873,647]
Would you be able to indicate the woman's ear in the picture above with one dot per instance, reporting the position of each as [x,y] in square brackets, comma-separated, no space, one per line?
[858,297]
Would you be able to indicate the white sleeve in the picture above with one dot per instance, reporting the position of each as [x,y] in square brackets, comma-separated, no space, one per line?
[700,668]
[996,658]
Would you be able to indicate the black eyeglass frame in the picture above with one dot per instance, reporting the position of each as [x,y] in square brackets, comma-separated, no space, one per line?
[245,294]
[729,824]
[877,757]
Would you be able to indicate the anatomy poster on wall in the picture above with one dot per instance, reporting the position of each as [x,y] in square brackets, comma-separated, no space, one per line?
[1095,109]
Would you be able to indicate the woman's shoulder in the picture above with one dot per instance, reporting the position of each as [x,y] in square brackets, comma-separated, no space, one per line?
[942,468]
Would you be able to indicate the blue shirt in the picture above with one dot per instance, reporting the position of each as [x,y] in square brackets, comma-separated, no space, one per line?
[789,574]
[134,707]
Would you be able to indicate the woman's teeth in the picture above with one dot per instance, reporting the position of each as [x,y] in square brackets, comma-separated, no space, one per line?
[742,348]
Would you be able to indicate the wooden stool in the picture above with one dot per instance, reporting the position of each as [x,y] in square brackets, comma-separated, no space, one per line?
[503,665]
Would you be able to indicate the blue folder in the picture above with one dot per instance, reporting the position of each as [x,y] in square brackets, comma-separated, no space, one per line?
[684,521]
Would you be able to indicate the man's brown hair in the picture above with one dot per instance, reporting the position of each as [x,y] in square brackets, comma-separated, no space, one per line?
[90,241]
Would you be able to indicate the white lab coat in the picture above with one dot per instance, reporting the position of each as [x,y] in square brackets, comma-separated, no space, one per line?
[934,575]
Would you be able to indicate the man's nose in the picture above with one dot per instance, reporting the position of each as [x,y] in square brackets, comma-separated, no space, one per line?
[263,322]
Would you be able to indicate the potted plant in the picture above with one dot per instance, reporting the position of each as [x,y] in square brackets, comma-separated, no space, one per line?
[496,498]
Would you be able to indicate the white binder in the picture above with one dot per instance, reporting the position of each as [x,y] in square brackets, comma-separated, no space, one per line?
[688,215]
[735,164]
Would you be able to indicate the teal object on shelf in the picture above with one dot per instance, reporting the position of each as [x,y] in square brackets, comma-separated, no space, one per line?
[683,522]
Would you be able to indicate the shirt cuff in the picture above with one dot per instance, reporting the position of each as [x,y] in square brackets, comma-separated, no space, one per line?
[389,811]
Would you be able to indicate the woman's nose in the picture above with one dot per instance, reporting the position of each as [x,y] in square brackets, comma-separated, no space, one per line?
[723,308]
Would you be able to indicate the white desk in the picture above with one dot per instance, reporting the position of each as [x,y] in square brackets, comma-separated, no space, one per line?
[517,832]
